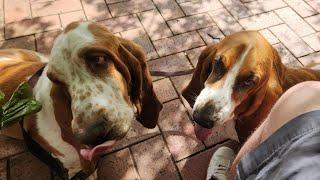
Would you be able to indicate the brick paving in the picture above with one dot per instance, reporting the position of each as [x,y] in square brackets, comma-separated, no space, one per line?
[173,33]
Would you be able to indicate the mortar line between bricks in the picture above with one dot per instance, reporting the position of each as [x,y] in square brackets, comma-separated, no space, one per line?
[268,11]
[268,28]
[117,2]
[176,53]
[164,139]
[203,150]
[312,25]
[8,169]
[181,101]
[206,44]
[165,21]
[171,156]
[297,11]
[84,12]
[194,30]
[30,9]
[10,156]
[235,18]
[189,60]
[285,22]
[305,56]
[179,98]
[60,20]
[132,13]
[134,162]
[217,24]
[4,21]
[280,43]
[108,9]
[132,144]
[189,115]
[145,31]
[35,43]
[294,33]
[12,38]
[180,7]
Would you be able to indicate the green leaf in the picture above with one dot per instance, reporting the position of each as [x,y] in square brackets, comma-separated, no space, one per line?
[1,95]
[20,104]
[22,92]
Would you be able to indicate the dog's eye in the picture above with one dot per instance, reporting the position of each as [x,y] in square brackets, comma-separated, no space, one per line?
[218,66]
[248,82]
[98,59]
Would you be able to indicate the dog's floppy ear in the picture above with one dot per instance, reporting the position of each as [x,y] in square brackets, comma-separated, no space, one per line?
[200,75]
[141,88]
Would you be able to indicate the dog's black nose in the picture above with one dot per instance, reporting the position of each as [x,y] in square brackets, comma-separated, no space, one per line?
[203,116]
[94,134]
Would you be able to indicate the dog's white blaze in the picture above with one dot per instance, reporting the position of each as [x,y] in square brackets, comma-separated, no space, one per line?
[49,129]
[4,58]
[222,97]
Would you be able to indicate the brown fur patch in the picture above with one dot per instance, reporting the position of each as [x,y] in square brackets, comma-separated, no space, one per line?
[23,64]
[71,27]
[63,115]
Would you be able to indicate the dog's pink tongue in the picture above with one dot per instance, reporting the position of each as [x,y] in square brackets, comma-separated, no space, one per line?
[201,132]
[88,154]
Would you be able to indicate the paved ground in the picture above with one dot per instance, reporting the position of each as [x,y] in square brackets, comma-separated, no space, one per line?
[173,32]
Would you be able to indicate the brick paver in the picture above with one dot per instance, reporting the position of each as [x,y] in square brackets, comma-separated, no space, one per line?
[236,8]
[314,21]
[178,43]
[313,41]
[45,8]
[261,6]
[294,21]
[118,165]
[141,38]
[292,41]
[169,9]
[190,23]
[96,10]
[3,169]
[195,7]
[173,33]
[225,21]
[153,21]
[301,7]
[16,10]
[260,21]
[67,18]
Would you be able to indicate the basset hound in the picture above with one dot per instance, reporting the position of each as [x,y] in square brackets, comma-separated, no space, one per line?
[236,82]
[91,90]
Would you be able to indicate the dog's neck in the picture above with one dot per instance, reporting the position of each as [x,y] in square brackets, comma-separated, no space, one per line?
[45,129]
[282,78]
[294,76]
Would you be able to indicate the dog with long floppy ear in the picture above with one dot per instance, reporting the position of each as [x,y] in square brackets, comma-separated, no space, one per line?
[199,76]
[142,93]
[252,89]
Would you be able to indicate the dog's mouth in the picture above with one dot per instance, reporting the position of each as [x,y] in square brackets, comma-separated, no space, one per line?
[201,132]
[90,153]
[226,129]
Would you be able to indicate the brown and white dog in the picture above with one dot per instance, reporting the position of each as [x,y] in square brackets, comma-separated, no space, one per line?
[94,86]
[237,81]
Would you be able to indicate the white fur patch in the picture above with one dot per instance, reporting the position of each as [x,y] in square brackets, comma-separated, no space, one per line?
[4,58]
[49,129]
